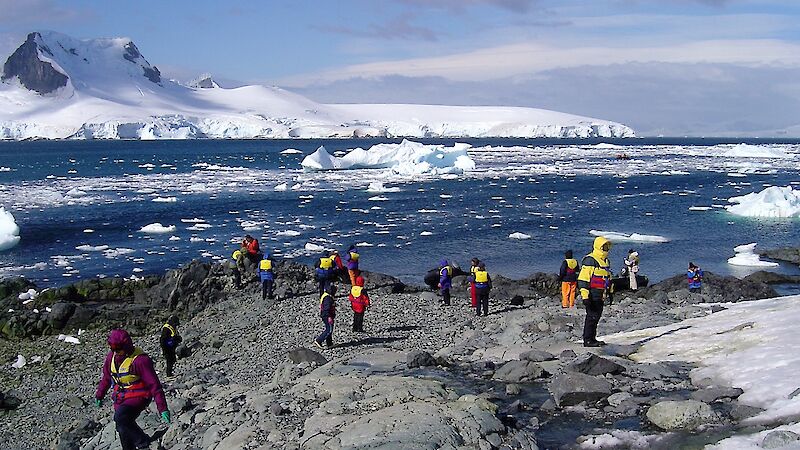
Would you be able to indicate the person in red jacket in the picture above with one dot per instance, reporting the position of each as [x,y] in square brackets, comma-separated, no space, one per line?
[129,372]
[359,301]
[249,251]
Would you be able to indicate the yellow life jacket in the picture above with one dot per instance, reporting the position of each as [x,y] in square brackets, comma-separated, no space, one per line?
[472,269]
[236,255]
[353,256]
[322,298]
[265,264]
[600,276]
[171,329]
[355,291]
[121,375]
[481,276]
[325,263]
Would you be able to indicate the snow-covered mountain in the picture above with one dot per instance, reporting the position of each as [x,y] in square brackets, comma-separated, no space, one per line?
[57,87]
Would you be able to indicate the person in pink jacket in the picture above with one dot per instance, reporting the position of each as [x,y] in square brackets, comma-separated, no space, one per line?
[130,375]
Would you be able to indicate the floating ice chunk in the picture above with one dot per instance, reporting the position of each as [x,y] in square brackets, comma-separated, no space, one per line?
[426,233]
[117,252]
[88,230]
[30,294]
[518,235]
[378,198]
[157,228]
[291,151]
[289,233]
[174,238]
[445,196]
[165,199]
[91,248]
[196,239]
[746,256]
[774,201]
[5,169]
[20,363]
[755,151]
[75,192]
[699,208]
[427,211]
[377,186]
[311,247]
[614,236]
[406,158]
[281,187]
[193,220]
[9,231]
[364,244]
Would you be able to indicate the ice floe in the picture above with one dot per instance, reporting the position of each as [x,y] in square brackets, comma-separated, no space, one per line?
[289,233]
[157,228]
[165,199]
[378,187]
[291,151]
[755,151]
[91,248]
[406,158]
[774,201]
[518,235]
[9,230]
[311,247]
[746,256]
[614,236]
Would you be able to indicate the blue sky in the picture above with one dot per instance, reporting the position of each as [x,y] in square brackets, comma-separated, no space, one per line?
[663,66]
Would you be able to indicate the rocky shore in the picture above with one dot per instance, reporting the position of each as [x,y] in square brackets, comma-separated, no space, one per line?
[423,376]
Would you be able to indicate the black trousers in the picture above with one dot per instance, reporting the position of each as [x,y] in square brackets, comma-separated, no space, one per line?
[358,321]
[446,296]
[170,358]
[594,310]
[483,300]
[131,435]
[267,289]
[322,285]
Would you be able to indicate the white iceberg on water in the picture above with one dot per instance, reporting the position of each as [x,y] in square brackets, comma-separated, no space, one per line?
[774,201]
[746,256]
[518,235]
[614,236]
[157,228]
[756,151]
[9,231]
[405,158]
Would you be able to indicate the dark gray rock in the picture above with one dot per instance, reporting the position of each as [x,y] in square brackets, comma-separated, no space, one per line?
[33,73]
[711,395]
[572,388]
[740,412]
[621,350]
[420,358]
[8,402]
[779,438]
[591,364]
[60,314]
[537,356]
[567,355]
[726,288]
[302,354]
[519,371]
[788,254]
[79,430]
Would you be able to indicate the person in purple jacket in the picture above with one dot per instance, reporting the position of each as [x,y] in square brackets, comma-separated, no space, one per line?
[129,372]
[445,283]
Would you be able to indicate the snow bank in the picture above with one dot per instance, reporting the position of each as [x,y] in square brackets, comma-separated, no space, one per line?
[614,236]
[746,256]
[405,158]
[749,345]
[157,228]
[774,201]
[755,151]
[9,231]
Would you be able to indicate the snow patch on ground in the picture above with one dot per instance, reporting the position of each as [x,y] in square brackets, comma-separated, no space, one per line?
[746,256]
[774,201]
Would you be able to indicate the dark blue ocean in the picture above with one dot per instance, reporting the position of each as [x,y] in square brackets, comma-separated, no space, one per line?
[80,205]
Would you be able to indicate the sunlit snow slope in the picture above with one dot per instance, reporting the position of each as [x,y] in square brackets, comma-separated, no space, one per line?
[57,87]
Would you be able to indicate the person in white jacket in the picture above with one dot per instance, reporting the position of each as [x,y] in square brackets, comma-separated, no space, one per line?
[632,268]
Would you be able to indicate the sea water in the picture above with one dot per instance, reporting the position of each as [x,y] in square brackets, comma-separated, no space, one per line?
[80,205]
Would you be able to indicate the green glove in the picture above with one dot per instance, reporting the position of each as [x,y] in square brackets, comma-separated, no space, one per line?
[98,402]
[165,417]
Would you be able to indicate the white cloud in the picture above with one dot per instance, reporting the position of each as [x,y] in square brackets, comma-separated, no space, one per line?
[533,57]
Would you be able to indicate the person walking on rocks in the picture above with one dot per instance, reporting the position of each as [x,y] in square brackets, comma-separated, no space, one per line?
[472,292]
[267,278]
[169,341]
[339,269]
[445,281]
[129,372]
[568,275]
[324,273]
[359,302]
[594,282]
[327,311]
[632,268]
[249,251]
[695,278]
[483,284]
[352,257]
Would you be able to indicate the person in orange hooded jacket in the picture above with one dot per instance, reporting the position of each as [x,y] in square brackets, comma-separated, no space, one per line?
[359,301]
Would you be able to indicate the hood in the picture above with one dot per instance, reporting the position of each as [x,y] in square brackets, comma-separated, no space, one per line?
[599,242]
[121,339]
[442,263]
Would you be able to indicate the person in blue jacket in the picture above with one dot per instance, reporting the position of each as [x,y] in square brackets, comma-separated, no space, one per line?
[695,278]
[445,282]
[267,277]
[483,284]
[327,312]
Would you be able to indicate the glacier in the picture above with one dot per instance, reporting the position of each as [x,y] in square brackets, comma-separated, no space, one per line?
[105,89]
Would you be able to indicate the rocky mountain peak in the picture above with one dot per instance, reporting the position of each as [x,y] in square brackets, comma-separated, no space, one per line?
[204,81]
[34,73]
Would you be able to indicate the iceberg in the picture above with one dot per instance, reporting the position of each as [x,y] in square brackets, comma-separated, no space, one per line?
[405,158]
[774,201]
[9,231]
[746,256]
[614,236]
[518,235]
[755,151]
[157,228]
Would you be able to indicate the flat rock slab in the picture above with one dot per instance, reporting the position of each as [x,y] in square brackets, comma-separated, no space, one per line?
[302,354]
[591,364]
[537,356]
[519,371]
[572,388]
[713,394]
[681,415]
